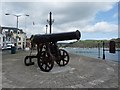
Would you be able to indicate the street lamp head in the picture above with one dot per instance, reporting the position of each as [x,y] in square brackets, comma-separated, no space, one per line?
[7,14]
[27,15]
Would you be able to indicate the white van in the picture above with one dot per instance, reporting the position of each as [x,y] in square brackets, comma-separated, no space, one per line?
[9,46]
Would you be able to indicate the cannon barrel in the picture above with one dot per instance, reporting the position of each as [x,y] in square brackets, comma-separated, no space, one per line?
[56,37]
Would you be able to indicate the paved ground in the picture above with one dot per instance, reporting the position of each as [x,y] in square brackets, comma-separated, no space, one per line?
[81,72]
[0,69]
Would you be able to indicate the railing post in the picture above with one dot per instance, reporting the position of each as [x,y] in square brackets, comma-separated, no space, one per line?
[103,50]
[98,50]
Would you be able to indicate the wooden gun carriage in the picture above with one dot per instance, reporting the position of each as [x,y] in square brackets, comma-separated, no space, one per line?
[48,51]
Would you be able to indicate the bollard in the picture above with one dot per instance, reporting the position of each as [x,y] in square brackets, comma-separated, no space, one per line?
[13,50]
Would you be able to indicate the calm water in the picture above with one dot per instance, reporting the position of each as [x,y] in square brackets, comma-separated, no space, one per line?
[93,52]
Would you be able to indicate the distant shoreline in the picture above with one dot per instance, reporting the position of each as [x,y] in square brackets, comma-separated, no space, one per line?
[93,43]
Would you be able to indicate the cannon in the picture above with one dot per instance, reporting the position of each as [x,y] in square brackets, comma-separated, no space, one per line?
[48,51]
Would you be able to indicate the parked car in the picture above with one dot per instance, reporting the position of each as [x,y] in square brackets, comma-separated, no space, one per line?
[9,46]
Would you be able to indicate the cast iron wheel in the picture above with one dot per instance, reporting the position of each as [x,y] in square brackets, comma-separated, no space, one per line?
[63,58]
[45,62]
[28,61]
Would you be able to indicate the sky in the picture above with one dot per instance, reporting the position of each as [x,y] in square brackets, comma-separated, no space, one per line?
[95,20]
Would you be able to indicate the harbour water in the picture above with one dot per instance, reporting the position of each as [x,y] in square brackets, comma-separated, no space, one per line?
[93,52]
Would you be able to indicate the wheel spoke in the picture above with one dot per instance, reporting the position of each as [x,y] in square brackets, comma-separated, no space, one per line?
[63,53]
[63,62]
[42,64]
[45,66]
[48,65]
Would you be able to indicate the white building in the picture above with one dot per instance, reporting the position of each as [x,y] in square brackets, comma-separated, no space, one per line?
[14,36]
[21,41]
[1,38]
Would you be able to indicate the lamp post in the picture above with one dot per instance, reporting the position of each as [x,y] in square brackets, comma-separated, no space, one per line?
[46,28]
[17,16]
[50,22]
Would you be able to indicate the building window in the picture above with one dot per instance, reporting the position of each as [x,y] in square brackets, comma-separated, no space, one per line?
[9,39]
[3,39]
[19,43]
[19,38]
[11,31]
[18,32]
[23,39]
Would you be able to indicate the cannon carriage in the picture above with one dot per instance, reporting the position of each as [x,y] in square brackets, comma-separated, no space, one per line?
[48,51]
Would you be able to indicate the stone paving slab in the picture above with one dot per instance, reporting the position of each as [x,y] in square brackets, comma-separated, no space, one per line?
[81,72]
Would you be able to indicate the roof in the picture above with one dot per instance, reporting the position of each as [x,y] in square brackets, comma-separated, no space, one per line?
[12,28]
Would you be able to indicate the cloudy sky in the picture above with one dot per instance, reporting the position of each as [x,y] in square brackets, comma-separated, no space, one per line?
[95,20]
